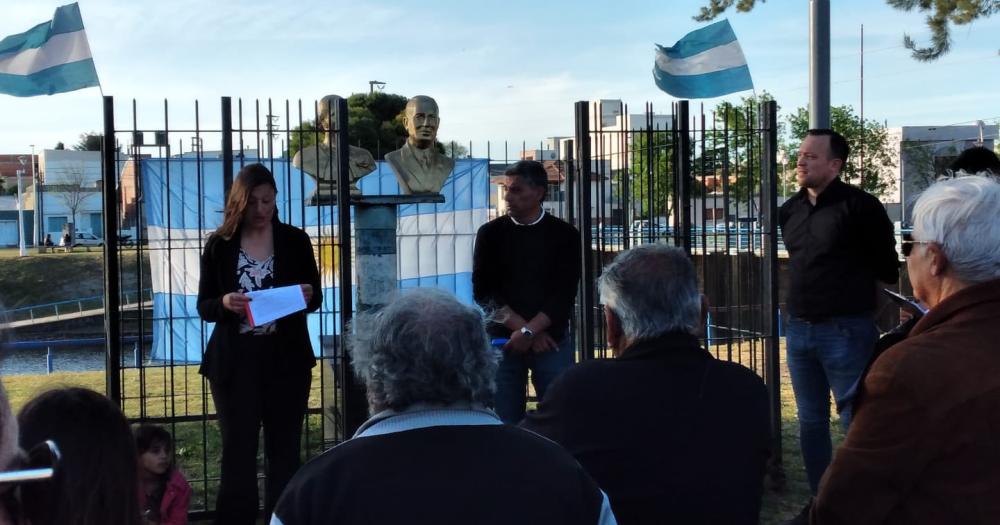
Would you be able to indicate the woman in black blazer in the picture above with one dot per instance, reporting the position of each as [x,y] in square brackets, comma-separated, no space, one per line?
[259,375]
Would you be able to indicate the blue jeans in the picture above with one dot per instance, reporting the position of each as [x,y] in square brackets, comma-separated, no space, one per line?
[821,356]
[512,378]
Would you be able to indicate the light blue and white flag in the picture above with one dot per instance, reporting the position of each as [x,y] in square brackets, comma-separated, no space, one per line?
[183,202]
[52,57]
[705,63]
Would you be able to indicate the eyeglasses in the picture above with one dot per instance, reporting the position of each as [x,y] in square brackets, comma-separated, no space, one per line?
[39,464]
[906,246]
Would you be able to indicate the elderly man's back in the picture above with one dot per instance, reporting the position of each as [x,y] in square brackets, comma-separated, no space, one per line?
[669,432]
[462,468]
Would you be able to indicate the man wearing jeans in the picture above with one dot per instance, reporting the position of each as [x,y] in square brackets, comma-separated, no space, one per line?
[525,270]
[840,244]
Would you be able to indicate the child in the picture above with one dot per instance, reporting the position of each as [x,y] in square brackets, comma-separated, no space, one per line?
[164,494]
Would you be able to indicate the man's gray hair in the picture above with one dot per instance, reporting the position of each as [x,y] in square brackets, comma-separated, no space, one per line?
[961,215]
[424,347]
[653,289]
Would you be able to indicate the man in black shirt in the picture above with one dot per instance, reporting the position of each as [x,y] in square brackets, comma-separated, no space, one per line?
[525,271]
[840,244]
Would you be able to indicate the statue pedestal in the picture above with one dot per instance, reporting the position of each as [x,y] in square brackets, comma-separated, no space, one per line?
[375,221]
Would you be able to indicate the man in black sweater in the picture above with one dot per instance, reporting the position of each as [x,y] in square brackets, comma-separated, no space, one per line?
[669,432]
[525,270]
[840,244]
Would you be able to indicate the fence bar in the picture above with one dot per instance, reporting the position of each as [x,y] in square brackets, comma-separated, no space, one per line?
[586,339]
[112,270]
[683,154]
[227,146]
[769,229]
[355,400]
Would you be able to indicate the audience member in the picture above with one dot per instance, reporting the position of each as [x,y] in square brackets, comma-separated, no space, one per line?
[95,482]
[923,445]
[976,161]
[433,452]
[671,433]
[164,493]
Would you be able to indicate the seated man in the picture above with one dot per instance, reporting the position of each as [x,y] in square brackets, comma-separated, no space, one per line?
[923,445]
[672,434]
[433,452]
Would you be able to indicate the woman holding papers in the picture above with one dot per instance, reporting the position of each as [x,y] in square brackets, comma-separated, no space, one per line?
[259,373]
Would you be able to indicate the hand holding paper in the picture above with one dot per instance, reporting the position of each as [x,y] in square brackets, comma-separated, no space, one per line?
[274,303]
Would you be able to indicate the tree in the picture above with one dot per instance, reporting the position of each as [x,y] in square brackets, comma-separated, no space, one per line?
[942,14]
[60,146]
[374,122]
[90,141]
[870,139]
[651,180]
[71,190]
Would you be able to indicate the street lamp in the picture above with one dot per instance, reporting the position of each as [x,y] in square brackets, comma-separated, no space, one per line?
[23,252]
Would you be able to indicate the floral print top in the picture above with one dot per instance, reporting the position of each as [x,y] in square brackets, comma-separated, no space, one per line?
[255,275]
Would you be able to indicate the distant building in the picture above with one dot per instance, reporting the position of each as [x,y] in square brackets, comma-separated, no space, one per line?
[69,178]
[924,153]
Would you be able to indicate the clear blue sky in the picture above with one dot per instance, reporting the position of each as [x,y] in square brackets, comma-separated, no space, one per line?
[500,71]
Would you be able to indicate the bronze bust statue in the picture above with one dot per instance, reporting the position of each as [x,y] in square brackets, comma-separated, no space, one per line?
[418,165]
[319,161]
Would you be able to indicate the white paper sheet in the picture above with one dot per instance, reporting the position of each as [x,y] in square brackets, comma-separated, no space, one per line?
[274,303]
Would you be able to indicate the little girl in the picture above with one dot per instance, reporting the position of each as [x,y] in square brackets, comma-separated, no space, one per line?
[164,494]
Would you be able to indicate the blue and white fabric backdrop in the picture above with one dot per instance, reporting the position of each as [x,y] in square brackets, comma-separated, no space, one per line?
[183,201]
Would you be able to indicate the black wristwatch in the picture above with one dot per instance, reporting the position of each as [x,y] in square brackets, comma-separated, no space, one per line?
[527,331]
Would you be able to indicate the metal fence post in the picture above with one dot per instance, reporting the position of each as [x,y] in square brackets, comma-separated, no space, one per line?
[586,336]
[227,146]
[769,229]
[112,315]
[683,180]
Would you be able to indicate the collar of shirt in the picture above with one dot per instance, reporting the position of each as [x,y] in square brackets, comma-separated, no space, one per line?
[532,223]
[423,415]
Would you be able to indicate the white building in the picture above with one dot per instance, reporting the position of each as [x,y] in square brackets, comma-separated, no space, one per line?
[69,178]
[925,152]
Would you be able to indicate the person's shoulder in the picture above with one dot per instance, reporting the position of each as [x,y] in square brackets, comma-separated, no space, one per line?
[737,376]
[291,232]
[559,224]
[496,224]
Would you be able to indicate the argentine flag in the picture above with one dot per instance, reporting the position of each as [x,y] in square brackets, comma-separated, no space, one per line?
[705,63]
[52,57]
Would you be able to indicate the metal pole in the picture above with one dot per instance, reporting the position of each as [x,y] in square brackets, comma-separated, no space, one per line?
[683,153]
[112,313]
[39,234]
[586,338]
[769,299]
[227,147]
[354,396]
[22,251]
[819,64]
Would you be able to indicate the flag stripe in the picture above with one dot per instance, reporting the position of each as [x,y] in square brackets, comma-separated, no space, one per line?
[715,59]
[58,79]
[60,49]
[708,85]
[702,40]
[66,19]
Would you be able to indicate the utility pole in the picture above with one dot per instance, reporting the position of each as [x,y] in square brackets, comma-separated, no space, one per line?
[373,83]
[23,252]
[819,64]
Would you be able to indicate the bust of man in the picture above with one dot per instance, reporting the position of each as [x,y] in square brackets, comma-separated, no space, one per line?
[320,161]
[418,165]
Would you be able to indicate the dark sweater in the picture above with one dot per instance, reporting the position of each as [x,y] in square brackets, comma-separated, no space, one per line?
[670,433]
[529,269]
[485,474]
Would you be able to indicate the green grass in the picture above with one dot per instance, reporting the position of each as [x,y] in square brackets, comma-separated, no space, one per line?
[198,446]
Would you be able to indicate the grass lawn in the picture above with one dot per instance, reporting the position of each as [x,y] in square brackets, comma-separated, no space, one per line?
[198,446]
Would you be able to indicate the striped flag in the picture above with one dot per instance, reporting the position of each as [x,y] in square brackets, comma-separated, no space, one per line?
[705,63]
[52,57]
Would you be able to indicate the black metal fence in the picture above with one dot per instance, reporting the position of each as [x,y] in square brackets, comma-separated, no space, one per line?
[704,182]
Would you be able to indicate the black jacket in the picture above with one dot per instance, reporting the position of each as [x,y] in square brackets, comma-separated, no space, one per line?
[294,263]
[670,433]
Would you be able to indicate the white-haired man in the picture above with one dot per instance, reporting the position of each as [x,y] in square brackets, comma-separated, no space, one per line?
[923,445]
[672,434]
[433,452]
